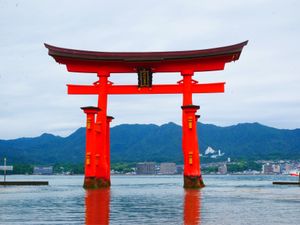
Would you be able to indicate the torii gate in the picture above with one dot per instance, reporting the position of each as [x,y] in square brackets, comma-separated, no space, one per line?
[145,64]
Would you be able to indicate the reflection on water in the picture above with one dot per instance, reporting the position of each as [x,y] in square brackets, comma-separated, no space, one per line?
[192,207]
[97,206]
[135,200]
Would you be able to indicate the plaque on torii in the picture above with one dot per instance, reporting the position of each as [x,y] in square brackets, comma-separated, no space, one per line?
[145,65]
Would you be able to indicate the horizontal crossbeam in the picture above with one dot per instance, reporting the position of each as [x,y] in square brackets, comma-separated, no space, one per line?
[134,89]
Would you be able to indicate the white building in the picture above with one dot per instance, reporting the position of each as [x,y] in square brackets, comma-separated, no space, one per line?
[209,150]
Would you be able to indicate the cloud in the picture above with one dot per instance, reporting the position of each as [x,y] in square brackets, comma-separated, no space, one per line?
[262,86]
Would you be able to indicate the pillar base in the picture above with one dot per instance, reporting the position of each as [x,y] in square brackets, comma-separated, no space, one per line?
[193,182]
[95,183]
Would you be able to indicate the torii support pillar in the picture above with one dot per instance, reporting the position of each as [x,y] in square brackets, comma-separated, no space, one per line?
[190,147]
[97,163]
[90,180]
[107,153]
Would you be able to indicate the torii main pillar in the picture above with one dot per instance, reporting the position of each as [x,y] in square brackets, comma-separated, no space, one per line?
[145,64]
[190,147]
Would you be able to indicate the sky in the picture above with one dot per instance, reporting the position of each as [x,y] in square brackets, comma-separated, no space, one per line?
[262,86]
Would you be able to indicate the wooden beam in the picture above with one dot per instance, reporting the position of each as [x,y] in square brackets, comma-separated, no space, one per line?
[155,89]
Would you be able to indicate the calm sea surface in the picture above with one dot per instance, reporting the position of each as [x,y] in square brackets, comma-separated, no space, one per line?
[152,200]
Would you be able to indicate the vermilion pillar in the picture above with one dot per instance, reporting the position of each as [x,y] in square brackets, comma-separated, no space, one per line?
[190,146]
[192,173]
[90,153]
[197,140]
[102,145]
[108,121]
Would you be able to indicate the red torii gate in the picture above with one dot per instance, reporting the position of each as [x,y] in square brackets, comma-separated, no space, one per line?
[97,162]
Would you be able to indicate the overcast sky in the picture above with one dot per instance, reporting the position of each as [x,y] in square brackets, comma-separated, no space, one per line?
[262,86]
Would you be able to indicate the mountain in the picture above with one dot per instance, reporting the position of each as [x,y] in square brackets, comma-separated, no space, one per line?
[136,142]
[252,141]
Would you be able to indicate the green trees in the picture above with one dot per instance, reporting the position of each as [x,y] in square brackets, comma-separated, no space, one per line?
[242,166]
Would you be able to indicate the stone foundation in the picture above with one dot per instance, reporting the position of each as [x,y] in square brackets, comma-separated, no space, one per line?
[95,183]
[193,182]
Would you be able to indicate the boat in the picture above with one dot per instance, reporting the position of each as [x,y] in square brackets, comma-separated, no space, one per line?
[295,173]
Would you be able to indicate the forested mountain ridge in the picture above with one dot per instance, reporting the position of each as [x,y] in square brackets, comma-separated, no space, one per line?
[139,142]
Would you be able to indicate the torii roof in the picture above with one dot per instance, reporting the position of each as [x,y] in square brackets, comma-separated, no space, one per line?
[122,62]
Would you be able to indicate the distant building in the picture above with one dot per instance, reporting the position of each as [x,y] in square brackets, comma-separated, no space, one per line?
[276,168]
[167,168]
[267,168]
[146,168]
[209,150]
[287,168]
[222,169]
[43,170]
[179,169]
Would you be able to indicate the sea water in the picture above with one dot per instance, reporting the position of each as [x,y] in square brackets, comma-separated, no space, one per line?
[229,199]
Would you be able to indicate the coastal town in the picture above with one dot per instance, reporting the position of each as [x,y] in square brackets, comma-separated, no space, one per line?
[214,162]
[260,167]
